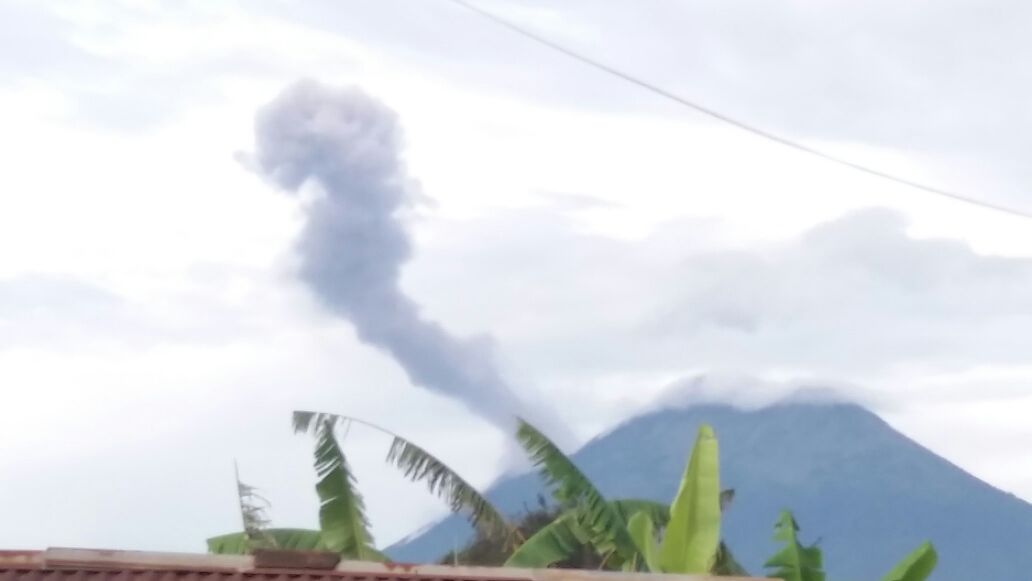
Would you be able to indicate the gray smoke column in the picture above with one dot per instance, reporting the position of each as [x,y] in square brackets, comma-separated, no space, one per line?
[352,246]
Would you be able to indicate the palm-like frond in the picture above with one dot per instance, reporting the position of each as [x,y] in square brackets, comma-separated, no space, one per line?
[291,539]
[253,508]
[563,537]
[569,484]
[606,527]
[342,519]
[643,532]
[309,422]
[628,507]
[916,566]
[557,541]
[417,464]
[794,562]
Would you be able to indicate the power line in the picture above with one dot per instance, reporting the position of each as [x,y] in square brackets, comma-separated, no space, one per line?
[957,196]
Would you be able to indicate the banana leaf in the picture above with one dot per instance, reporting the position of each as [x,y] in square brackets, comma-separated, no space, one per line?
[290,539]
[692,536]
[916,566]
[342,518]
[794,562]
[419,465]
[566,535]
[606,527]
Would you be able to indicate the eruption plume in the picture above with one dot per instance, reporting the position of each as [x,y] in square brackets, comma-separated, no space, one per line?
[352,246]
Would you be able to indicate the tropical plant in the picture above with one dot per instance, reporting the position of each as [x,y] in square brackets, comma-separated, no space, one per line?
[285,539]
[417,464]
[256,533]
[342,518]
[627,535]
[597,521]
[567,535]
[796,562]
[916,566]
[253,508]
[494,551]
[343,525]
[585,519]
[622,534]
[692,536]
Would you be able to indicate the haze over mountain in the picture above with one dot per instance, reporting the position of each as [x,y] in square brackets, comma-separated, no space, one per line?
[867,492]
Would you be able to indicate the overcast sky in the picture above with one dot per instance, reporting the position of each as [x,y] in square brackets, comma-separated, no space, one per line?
[153,328]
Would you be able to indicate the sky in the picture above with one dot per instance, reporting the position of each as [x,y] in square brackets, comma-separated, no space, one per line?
[604,245]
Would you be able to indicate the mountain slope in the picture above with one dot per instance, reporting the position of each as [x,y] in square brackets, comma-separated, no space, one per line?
[866,491]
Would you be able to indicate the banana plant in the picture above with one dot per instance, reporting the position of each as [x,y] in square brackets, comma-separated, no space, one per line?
[567,534]
[342,518]
[417,464]
[691,524]
[343,525]
[796,562]
[280,538]
[256,533]
[600,522]
[628,538]
[916,566]
[691,539]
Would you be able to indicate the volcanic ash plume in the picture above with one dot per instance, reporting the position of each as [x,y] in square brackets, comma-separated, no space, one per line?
[353,246]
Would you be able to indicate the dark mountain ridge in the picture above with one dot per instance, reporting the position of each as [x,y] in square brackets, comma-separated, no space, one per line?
[867,492]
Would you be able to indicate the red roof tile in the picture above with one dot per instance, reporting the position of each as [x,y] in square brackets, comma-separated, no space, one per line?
[97,565]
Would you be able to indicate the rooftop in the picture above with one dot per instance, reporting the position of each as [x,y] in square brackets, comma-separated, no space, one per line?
[59,564]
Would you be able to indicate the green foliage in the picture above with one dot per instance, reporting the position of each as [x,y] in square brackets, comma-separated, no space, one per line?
[658,512]
[557,541]
[643,533]
[584,531]
[692,537]
[490,550]
[626,539]
[916,566]
[421,466]
[605,528]
[253,516]
[565,539]
[569,484]
[342,519]
[344,528]
[794,562]
[290,539]
[256,534]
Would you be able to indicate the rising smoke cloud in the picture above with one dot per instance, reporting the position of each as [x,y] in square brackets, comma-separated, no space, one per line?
[353,245]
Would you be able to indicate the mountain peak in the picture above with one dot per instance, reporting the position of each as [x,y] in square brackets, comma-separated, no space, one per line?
[870,493]
[749,393]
